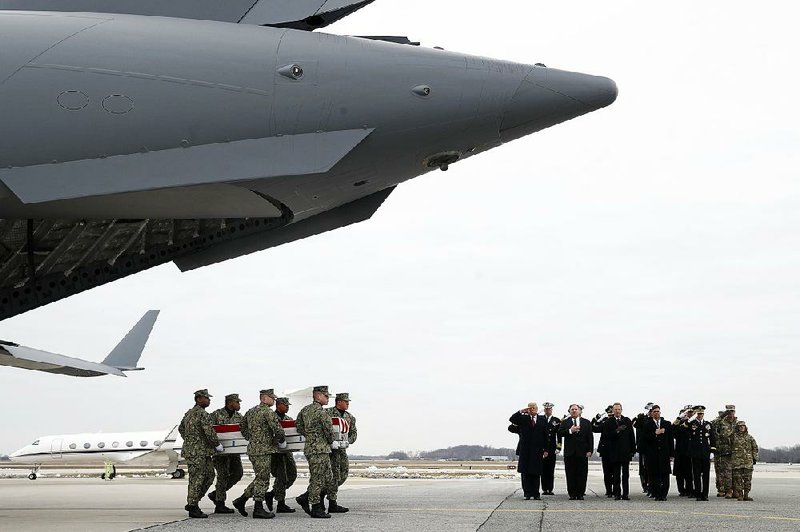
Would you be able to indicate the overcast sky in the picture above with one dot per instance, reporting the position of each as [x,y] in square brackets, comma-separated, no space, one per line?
[649,251]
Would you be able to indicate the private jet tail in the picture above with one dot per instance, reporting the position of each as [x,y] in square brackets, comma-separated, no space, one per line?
[122,358]
[126,355]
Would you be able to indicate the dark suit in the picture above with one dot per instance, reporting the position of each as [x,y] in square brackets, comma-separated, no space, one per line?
[702,442]
[532,438]
[660,448]
[576,446]
[549,463]
[641,447]
[619,449]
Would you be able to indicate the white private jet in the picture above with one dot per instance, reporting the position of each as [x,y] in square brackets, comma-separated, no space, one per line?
[146,449]
[124,357]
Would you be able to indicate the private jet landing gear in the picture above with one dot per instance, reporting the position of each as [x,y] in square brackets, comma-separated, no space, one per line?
[178,473]
[34,470]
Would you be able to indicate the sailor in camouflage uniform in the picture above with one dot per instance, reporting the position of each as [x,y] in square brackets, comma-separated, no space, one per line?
[702,442]
[284,469]
[725,430]
[315,424]
[744,455]
[340,464]
[228,466]
[265,436]
[199,443]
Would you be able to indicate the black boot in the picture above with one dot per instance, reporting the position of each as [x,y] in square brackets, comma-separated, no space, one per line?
[268,498]
[283,509]
[302,500]
[239,505]
[195,512]
[318,511]
[260,513]
[212,496]
[220,508]
[334,508]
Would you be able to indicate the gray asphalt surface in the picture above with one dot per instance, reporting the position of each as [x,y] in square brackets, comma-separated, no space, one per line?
[439,505]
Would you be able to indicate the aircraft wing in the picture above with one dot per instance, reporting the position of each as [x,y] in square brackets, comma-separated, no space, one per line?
[297,14]
[123,358]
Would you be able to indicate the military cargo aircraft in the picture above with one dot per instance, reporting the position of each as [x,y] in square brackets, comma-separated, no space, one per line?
[135,132]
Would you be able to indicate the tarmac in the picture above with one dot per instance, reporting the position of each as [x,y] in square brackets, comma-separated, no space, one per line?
[388,501]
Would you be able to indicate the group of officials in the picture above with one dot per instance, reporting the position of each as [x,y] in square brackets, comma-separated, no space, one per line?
[691,441]
[327,463]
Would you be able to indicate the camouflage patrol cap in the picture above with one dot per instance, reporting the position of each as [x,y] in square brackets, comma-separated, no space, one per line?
[232,397]
[549,405]
[283,400]
[730,408]
[270,392]
[343,397]
[741,423]
[321,389]
[203,393]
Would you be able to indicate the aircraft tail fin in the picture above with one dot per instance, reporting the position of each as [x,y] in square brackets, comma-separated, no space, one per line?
[126,354]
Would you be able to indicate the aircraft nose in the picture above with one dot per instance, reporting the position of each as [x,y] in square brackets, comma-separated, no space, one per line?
[549,96]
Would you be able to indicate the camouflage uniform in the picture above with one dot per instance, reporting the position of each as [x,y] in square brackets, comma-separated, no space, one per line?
[315,424]
[283,469]
[340,464]
[715,428]
[228,466]
[199,441]
[744,455]
[725,430]
[265,432]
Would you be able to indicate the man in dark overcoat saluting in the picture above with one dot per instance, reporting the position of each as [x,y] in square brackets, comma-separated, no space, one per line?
[532,430]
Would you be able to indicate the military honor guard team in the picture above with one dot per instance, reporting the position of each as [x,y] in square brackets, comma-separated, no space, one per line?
[684,448]
[328,465]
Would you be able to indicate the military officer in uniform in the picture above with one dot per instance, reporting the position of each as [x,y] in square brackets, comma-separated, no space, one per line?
[597,428]
[199,443]
[682,468]
[284,469]
[702,443]
[641,446]
[228,466]
[265,436]
[551,446]
[725,430]
[744,455]
[340,464]
[315,424]
[717,475]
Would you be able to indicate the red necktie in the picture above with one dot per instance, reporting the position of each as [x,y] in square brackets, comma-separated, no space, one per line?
[533,421]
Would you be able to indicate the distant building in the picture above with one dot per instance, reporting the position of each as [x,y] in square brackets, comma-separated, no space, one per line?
[495,458]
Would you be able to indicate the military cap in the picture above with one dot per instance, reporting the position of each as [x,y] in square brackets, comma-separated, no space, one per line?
[609,409]
[321,389]
[648,406]
[232,397]
[687,407]
[270,392]
[549,405]
[721,412]
[730,408]
[580,406]
[699,409]
[343,397]
[203,393]
[283,400]
[741,423]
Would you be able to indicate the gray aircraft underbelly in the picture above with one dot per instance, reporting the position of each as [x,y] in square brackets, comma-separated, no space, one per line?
[166,137]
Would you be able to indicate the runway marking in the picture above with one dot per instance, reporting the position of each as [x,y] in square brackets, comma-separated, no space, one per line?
[595,511]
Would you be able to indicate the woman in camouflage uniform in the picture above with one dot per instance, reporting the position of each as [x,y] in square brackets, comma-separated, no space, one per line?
[744,456]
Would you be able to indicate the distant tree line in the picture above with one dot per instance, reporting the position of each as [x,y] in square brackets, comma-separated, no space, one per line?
[780,455]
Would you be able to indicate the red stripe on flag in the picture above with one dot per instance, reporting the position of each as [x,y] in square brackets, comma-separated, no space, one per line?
[220,429]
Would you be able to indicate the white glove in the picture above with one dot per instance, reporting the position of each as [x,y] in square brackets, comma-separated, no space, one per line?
[712,456]
[282,445]
[335,445]
[219,448]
